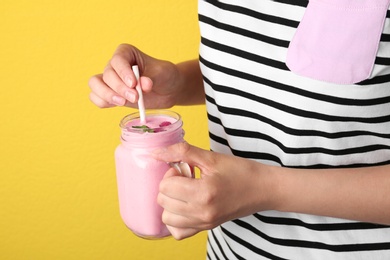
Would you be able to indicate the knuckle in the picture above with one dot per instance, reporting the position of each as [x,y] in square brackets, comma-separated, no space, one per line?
[117,62]
[177,234]
[179,237]
[117,56]
[184,147]
[209,195]
[123,47]
[209,216]
[210,213]
[107,75]
[111,80]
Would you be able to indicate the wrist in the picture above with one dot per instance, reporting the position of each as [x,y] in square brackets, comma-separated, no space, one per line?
[264,187]
[271,181]
[189,83]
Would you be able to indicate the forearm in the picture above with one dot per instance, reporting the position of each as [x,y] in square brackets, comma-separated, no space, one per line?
[190,82]
[361,194]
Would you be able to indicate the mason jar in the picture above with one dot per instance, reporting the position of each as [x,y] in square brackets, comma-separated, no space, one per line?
[139,175]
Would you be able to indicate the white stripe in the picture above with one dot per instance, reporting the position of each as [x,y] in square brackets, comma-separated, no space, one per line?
[272,8]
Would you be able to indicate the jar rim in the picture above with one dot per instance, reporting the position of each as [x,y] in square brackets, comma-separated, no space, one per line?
[151,112]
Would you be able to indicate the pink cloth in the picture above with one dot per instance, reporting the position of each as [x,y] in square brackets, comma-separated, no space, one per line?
[337,40]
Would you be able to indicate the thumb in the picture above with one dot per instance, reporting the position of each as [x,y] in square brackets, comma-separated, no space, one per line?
[146,84]
[183,152]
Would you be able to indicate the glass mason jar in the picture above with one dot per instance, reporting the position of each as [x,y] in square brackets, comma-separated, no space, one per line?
[139,175]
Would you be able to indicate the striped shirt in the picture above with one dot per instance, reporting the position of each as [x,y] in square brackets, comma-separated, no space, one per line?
[258,109]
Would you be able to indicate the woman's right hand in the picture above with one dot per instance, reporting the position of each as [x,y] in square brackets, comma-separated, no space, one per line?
[116,85]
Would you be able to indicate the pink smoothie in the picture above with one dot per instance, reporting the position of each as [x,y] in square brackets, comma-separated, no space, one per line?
[139,175]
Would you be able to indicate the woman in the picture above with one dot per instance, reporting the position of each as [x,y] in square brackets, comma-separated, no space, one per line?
[298,101]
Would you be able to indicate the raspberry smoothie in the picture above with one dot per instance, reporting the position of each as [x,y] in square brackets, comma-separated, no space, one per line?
[139,175]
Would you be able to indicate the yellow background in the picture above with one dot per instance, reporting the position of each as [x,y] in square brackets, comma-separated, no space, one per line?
[58,196]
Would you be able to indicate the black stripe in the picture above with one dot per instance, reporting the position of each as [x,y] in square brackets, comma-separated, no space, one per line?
[321,226]
[244,154]
[248,155]
[385,37]
[218,245]
[315,245]
[250,246]
[291,89]
[218,139]
[244,54]
[230,249]
[302,3]
[305,150]
[288,130]
[376,80]
[254,14]
[385,61]
[243,32]
[212,249]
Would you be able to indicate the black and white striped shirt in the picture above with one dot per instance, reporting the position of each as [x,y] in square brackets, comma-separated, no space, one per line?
[260,110]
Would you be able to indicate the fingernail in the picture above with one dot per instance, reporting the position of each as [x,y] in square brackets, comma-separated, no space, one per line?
[119,101]
[130,96]
[183,168]
[128,81]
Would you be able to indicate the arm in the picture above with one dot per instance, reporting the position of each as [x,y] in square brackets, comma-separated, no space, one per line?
[191,84]
[361,194]
[231,187]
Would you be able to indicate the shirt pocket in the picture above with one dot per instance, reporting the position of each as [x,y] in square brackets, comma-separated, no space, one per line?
[337,40]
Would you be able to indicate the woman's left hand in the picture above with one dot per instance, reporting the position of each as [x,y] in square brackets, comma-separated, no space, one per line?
[229,187]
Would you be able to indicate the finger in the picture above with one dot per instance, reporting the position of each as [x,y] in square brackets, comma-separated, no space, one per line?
[103,95]
[182,233]
[186,153]
[99,102]
[184,222]
[121,63]
[111,79]
[176,187]
[181,220]
[175,220]
[171,205]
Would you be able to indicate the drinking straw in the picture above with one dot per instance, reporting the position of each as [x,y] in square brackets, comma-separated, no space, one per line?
[141,106]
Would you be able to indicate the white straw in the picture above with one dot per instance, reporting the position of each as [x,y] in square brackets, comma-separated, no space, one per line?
[141,106]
